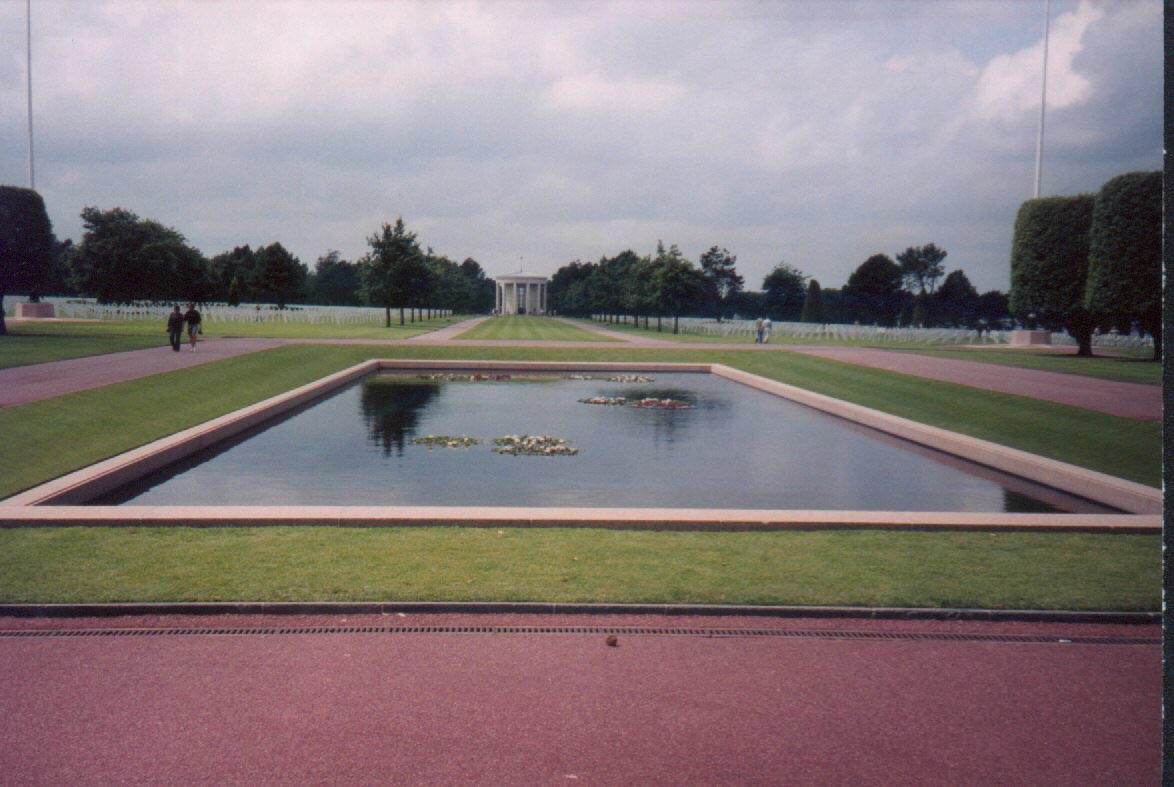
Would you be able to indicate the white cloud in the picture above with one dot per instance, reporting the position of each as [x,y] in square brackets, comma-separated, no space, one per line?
[1010,85]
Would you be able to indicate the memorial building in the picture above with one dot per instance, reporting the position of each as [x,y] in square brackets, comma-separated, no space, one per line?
[522,293]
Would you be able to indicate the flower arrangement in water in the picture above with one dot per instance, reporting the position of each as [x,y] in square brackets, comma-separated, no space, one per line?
[446,441]
[533,445]
[605,400]
[649,403]
[464,378]
[662,404]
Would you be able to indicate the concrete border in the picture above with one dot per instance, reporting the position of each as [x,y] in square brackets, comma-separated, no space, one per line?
[568,608]
[58,502]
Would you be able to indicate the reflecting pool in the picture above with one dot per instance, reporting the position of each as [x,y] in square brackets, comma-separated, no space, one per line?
[731,447]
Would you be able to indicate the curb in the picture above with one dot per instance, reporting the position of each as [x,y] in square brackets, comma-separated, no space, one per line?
[553,608]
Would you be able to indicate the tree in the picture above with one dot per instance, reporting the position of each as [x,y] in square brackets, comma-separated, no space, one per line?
[569,292]
[280,275]
[58,282]
[921,267]
[993,308]
[484,286]
[873,291]
[722,281]
[26,245]
[123,258]
[784,287]
[957,300]
[641,295]
[1125,253]
[675,281]
[335,282]
[186,268]
[239,265]
[813,310]
[452,287]
[1049,265]
[608,282]
[394,273]
[234,292]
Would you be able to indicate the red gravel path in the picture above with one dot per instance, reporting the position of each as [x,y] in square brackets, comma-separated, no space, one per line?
[566,708]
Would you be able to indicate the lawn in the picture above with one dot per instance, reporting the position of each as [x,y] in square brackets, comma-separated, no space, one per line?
[529,327]
[45,439]
[274,329]
[854,568]
[666,332]
[327,330]
[20,347]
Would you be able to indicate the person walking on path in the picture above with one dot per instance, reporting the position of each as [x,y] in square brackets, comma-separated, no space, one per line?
[175,328]
[766,328]
[192,318]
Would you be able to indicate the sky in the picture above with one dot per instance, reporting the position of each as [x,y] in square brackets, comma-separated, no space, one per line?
[530,134]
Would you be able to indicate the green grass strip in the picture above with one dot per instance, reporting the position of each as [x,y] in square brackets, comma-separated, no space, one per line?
[530,327]
[666,332]
[19,348]
[867,568]
[264,328]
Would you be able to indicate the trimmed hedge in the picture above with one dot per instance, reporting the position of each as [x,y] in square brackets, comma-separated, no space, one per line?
[26,243]
[1049,264]
[1125,252]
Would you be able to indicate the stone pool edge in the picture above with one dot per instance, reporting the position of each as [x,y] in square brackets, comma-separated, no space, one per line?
[57,502]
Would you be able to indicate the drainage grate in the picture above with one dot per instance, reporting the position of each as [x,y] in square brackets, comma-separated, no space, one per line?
[619,631]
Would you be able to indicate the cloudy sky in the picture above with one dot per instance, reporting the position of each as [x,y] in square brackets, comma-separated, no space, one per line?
[529,134]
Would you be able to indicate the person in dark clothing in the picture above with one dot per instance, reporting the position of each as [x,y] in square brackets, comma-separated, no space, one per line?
[192,318]
[175,328]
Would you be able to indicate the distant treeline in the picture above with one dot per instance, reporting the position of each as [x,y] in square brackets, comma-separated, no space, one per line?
[913,290]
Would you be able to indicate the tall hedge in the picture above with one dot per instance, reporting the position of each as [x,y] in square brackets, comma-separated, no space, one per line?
[1049,264]
[26,244]
[1125,253]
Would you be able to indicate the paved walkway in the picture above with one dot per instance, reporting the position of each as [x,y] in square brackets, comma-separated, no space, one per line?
[23,384]
[799,702]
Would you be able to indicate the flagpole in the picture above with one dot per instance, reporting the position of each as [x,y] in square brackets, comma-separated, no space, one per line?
[1043,101]
[28,14]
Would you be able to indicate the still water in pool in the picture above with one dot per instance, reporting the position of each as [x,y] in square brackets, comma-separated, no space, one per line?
[733,447]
